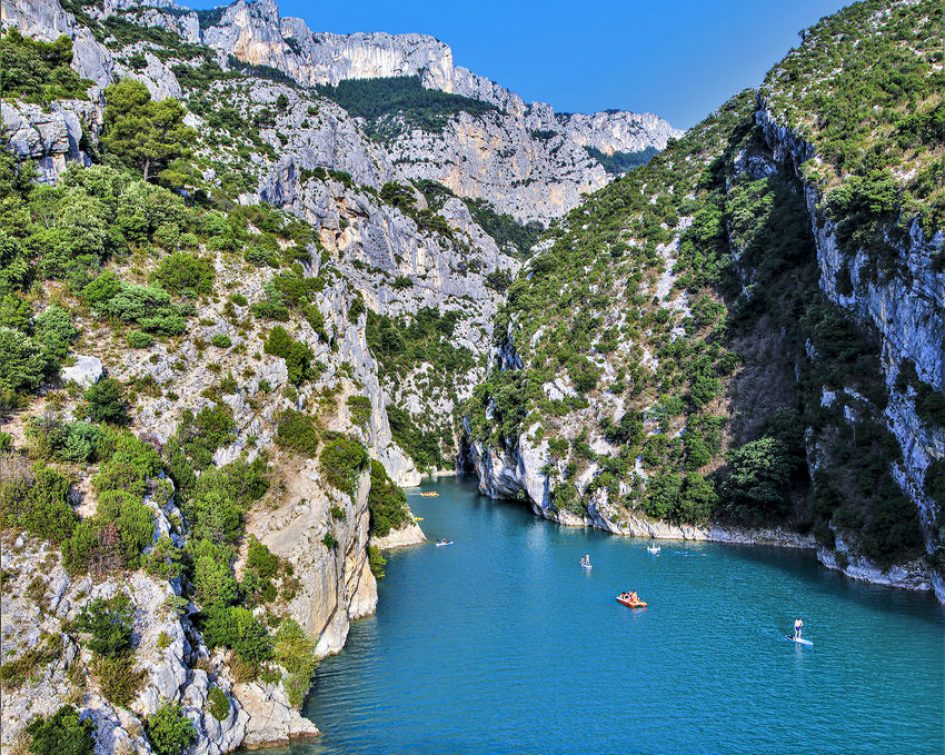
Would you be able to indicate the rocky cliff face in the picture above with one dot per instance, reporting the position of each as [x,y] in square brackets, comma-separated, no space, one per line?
[524,159]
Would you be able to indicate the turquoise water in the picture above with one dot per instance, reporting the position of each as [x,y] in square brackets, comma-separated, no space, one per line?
[502,643]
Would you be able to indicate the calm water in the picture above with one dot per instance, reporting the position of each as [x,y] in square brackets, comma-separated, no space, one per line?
[502,643]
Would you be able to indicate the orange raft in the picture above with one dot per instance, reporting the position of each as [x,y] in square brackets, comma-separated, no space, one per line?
[631,603]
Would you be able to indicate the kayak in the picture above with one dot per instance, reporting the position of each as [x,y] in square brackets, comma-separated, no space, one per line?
[443,545]
[630,603]
[799,640]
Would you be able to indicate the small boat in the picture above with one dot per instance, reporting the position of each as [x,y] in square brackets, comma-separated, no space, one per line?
[444,544]
[429,494]
[586,566]
[631,603]
[654,549]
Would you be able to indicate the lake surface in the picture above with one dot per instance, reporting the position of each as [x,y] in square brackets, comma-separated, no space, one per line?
[502,643]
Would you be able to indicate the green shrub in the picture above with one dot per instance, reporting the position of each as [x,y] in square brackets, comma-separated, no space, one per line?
[330,541]
[297,432]
[138,339]
[295,652]
[221,341]
[758,482]
[118,678]
[260,559]
[342,461]
[22,366]
[236,627]
[377,561]
[170,732]
[37,71]
[37,500]
[63,733]
[183,273]
[107,624]
[218,704]
[360,410]
[105,402]
[114,538]
[164,560]
[386,502]
[297,355]
[199,435]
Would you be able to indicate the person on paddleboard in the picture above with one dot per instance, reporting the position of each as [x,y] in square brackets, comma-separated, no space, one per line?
[798,628]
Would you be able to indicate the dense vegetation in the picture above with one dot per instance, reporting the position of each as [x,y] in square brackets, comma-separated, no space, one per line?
[618,163]
[509,234]
[656,355]
[422,350]
[400,103]
[37,71]
[870,93]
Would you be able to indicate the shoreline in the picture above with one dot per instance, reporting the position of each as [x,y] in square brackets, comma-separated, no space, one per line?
[913,576]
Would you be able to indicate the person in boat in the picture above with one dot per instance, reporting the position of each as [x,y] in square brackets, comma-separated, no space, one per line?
[634,598]
[798,628]
[624,596]
[587,559]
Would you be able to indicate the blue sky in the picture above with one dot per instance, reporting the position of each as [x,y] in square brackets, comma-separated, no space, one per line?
[678,58]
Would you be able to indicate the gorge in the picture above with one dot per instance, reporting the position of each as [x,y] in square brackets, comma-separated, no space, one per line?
[255,279]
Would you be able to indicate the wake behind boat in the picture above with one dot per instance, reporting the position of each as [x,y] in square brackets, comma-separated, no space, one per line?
[799,640]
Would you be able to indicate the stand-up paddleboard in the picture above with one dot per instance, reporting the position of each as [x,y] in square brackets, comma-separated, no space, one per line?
[799,640]
[586,566]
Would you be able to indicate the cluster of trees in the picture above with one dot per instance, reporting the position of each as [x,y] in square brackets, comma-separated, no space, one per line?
[37,71]
[380,100]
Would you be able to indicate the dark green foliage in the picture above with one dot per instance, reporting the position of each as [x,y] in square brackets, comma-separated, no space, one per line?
[237,628]
[147,307]
[199,435]
[218,703]
[261,560]
[170,732]
[297,355]
[127,465]
[509,234]
[114,538]
[183,273]
[164,560]
[383,101]
[22,366]
[298,432]
[107,624]
[377,561]
[141,132]
[759,480]
[360,409]
[386,502]
[37,500]
[295,652]
[63,733]
[105,402]
[37,71]
[422,446]
[342,461]
[618,163]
